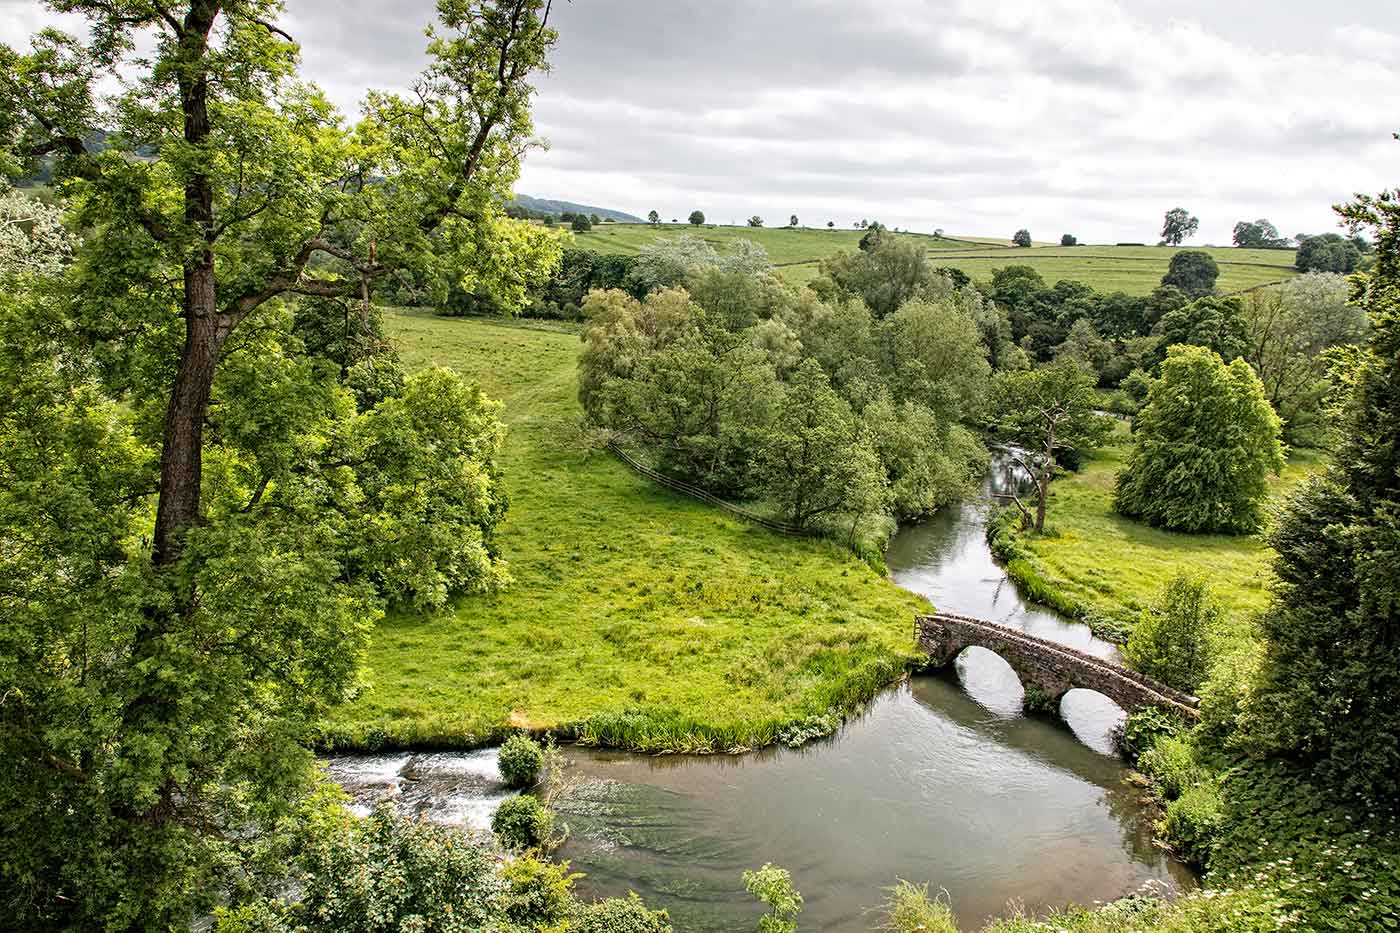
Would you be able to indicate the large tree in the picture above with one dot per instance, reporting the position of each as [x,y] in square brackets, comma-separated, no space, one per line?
[1177,226]
[1193,271]
[1328,690]
[1217,323]
[231,508]
[1203,447]
[1046,412]
[1258,234]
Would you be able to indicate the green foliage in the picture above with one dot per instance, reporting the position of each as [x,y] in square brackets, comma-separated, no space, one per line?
[773,886]
[538,893]
[1203,447]
[1328,252]
[1194,271]
[1178,225]
[1218,324]
[622,915]
[812,458]
[1192,824]
[1171,764]
[580,224]
[1049,412]
[909,909]
[1145,728]
[885,273]
[522,822]
[385,872]
[1023,238]
[1069,240]
[1328,690]
[520,761]
[1172,639]
[653,217]
[697,218]
[1259,234]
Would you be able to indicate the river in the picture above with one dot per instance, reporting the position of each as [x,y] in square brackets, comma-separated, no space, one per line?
[940,780]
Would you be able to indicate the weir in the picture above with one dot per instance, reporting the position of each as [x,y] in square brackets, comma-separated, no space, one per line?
[1051,668]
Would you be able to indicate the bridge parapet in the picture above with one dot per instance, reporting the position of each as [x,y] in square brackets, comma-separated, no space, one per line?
[1050,667]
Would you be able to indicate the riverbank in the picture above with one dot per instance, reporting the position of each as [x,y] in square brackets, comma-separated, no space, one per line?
[1093,564]
[637,618]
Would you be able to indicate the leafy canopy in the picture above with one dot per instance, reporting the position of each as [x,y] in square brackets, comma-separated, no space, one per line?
[1203,447]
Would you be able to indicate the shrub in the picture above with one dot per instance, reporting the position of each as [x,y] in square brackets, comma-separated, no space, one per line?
[909,909]
[522,823]
[539,892]
[622,915]
[520,759]
[1171,764]
[1144,729]
[773,886]
[1171,641]
[1192,823]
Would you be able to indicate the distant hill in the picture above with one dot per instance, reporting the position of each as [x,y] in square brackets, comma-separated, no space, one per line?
[551,206]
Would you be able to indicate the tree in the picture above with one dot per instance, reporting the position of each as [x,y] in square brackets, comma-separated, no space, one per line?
[812,456]
[1178,226]
[1216,323]
[1259,234]
[1203,447]
[1046,411]
[653,218]
[697,218]
[168,692]
[1329,252]
[581,224]
[1290,328]
[887,274]
[792,221]
[594,219]
[1193,271]
[932,353]
[1022,237]
[1171,640]
[1327,692]
[830,224]
[1068,240]
[755,221]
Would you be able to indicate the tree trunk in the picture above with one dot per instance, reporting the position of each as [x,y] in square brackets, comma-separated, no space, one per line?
[1041,488]
[182,448]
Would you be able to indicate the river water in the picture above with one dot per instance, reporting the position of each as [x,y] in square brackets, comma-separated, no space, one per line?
[940,780]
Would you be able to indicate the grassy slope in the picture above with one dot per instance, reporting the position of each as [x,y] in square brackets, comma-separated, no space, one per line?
[1116,565]
[640,617]
[1134,269]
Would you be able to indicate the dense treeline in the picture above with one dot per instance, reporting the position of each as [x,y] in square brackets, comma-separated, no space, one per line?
[755,390]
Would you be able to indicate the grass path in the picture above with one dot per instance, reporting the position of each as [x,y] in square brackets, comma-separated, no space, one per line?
[637,617]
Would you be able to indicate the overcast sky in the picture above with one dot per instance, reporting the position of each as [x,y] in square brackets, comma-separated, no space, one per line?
[1089,117]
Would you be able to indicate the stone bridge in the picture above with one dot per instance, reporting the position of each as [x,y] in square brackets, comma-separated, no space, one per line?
[1051,668]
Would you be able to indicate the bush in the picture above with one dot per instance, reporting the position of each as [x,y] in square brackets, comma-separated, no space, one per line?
[1192,823]
[520,759]
[522,823]
[1171,641]
[622,915]
[1171,764]
[909,909]
[539,892]
[1144,729]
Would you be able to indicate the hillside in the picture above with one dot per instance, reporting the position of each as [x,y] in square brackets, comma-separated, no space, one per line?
[797,252]
[555,206]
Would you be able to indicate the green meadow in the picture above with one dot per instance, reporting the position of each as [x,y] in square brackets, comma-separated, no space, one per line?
[637,618]
[797,253]
[1117,566]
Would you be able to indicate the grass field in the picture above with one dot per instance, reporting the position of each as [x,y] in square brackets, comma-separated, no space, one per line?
[637,618]
[1133,269]
[1116,565]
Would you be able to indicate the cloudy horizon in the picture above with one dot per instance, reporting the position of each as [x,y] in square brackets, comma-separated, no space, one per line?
[1089,117]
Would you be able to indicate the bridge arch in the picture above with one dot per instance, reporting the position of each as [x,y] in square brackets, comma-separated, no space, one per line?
[1047,669]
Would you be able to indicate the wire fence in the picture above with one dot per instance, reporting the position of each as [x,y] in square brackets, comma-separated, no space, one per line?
[695,492]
